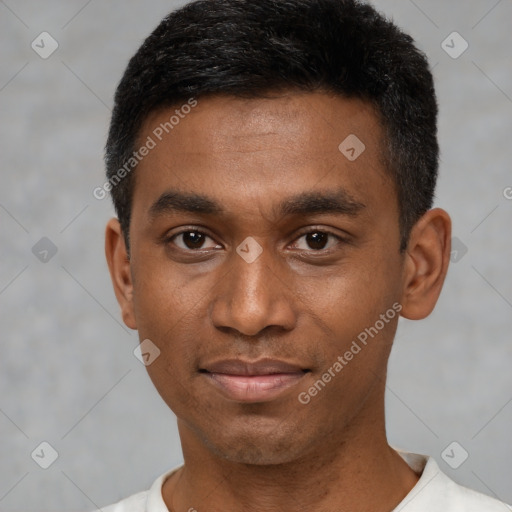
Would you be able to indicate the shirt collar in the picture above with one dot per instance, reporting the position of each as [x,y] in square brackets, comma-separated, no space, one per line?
[423,465]
[155,501]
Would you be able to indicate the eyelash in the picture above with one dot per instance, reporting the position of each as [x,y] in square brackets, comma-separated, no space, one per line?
[170,239]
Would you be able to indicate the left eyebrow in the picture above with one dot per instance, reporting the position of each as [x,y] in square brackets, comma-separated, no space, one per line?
[310,203]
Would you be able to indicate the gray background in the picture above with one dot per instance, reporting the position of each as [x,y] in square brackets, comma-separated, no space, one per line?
[68,375]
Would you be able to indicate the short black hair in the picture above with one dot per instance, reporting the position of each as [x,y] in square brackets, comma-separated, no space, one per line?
[249,48]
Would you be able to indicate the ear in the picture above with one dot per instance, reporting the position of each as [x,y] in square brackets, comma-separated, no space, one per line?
[426,263]
[119,267]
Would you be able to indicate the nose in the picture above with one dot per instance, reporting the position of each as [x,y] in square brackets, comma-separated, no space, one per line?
[253,296]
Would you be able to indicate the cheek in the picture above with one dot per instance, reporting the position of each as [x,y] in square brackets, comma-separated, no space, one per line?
[168,307]
[351,302]
[358,319]
[165,295]
[174,329]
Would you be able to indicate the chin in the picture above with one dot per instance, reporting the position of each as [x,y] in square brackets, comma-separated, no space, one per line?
[260,454]
[256,445]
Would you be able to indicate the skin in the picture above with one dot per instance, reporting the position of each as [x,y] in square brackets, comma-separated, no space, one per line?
[299,301]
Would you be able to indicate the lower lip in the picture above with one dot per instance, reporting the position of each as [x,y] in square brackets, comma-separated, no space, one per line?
[254,388]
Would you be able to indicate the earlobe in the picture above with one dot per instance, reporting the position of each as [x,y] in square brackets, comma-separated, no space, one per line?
[426,264]
[120,272]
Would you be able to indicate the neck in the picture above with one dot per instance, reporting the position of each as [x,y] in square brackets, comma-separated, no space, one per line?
[355,467]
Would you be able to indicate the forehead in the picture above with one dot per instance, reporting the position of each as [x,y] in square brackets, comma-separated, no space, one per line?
[290,142]
[226,123]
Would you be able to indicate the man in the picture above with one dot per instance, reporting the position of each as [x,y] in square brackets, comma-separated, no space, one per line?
[273,165]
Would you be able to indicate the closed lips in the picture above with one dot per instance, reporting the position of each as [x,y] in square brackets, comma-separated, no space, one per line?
[260,381]
[260,367]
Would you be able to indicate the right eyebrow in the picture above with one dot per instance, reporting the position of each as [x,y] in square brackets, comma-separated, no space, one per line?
[173,201]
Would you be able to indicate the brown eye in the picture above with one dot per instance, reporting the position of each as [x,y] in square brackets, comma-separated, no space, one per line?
[317,240]
[193,240]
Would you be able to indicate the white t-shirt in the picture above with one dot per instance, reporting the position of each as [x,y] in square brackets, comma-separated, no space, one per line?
[434,492]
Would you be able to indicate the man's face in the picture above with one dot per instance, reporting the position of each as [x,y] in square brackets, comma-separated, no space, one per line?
[255,239]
